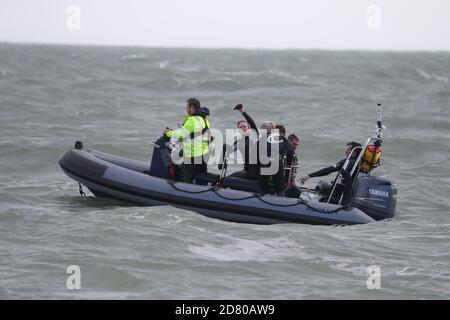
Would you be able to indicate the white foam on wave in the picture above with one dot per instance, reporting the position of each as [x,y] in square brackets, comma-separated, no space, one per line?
[134,56]
[288,76]
[163,64]
[428,76]
[35,183]
[238,73]
[248,250]
[432,272]
[6,71]
[188,69]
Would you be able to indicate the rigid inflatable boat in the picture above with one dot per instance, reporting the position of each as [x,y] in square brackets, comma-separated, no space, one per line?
[232,199]
[112,176]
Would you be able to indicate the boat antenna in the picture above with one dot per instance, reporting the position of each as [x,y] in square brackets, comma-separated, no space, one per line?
[379,136]
[380,127]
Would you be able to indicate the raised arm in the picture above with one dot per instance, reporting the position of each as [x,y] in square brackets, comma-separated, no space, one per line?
[247,117]
[250,121]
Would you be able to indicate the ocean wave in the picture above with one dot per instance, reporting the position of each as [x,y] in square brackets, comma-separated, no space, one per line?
[222,84]
[428,76]
[115,100]
[134,56]
[237,249]
[163,64]
[237,73]
[188,69]
[288,76]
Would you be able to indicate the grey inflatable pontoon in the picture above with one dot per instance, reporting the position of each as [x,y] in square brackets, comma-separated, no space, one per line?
[111,176]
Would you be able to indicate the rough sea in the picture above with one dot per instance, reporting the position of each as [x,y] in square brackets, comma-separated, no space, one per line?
[117,99]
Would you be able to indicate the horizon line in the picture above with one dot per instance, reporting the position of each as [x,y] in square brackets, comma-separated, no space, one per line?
[223,47]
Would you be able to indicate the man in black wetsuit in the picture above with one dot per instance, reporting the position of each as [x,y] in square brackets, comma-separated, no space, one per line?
[287,149]
[289,146]
[338,166]
[345,186]
[292,162]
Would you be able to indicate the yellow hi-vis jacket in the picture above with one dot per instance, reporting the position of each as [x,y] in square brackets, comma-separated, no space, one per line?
[195,137]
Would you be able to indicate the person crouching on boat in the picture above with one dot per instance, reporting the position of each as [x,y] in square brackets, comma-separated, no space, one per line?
[325,187]
[195,135]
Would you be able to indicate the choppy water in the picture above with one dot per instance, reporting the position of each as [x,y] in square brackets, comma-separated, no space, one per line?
[117,99]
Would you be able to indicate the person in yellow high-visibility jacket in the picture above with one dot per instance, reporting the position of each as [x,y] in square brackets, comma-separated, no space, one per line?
[194,133]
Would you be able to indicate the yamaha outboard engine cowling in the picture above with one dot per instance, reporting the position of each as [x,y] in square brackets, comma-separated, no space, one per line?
[375,196]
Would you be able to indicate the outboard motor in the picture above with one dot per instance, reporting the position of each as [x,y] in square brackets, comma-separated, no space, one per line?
[375,196]
[161,164]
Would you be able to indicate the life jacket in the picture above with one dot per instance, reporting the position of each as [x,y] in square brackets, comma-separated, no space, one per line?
[200,137]
[371,158]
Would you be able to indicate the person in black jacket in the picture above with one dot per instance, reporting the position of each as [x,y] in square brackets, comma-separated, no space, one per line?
[276,148]
[288,151]
[338,166]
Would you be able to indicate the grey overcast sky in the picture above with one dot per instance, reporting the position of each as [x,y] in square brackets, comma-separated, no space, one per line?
[278,24]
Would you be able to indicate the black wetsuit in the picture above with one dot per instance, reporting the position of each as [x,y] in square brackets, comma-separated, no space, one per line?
[292,190]
[338,166]
[251,170]
[278,179]
[346,181]
[289,153]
